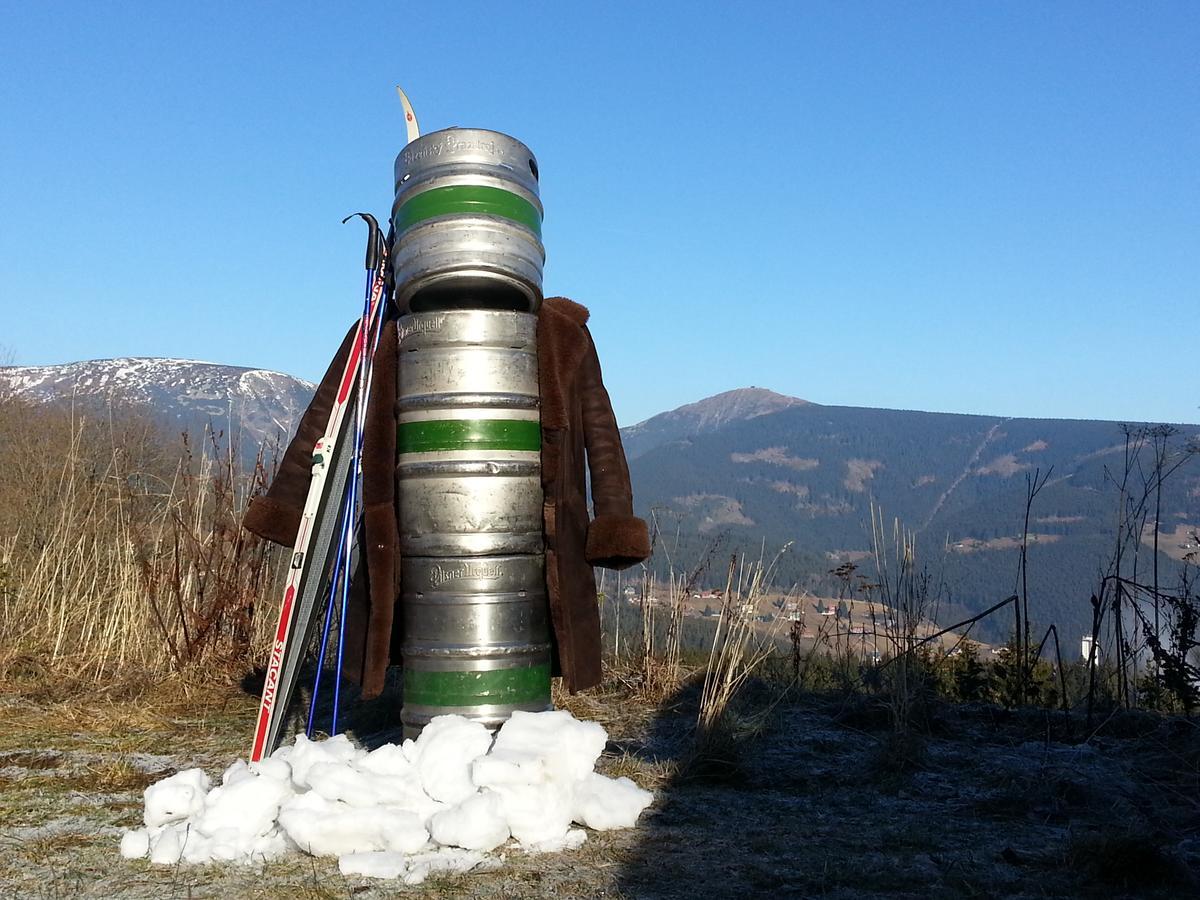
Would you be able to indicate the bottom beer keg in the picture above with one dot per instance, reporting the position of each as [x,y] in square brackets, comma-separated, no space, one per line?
[476,638]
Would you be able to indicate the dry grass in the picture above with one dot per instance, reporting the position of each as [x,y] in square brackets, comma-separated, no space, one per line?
[118,557]
[128,716]
[34,759]
[651,774]
[738,646]
[618,703]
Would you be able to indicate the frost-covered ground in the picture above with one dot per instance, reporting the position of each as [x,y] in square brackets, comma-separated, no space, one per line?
[989,804]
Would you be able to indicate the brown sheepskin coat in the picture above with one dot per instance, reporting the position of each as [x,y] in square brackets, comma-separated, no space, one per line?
[577,425]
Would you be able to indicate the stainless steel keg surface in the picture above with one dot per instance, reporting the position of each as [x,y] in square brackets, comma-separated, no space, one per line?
[475,609]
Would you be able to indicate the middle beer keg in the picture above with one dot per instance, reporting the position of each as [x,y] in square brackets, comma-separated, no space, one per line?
[468,438]
[468,473]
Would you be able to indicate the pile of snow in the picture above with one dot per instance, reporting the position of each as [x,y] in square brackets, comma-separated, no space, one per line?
[439,803]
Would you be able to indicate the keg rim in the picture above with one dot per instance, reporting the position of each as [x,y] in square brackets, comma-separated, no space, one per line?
[432,137]
[466,279]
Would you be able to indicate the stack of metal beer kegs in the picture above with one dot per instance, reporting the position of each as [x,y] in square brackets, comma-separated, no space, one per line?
[467,262]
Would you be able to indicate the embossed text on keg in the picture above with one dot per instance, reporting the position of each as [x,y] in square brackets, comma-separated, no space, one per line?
[455,145]
[411,155]
[439,574]
[421,326]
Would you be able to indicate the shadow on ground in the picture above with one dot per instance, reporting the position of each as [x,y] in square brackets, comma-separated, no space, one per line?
[820,798]
[983,802]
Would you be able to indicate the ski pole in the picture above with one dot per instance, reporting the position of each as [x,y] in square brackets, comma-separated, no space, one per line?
[376,253]
[343,569]
[341,575]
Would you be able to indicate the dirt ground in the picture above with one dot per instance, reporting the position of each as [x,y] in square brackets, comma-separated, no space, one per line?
[816,798]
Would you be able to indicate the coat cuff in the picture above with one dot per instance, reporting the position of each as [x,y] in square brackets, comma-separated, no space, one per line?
[617,542]
[272,521]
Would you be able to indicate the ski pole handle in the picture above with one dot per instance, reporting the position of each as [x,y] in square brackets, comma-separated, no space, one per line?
[374,239]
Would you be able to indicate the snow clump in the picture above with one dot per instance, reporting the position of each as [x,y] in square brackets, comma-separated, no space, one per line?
[438,804]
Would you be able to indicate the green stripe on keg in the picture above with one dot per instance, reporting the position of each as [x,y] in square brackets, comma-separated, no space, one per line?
[472,688]
[468,434]
[468,199]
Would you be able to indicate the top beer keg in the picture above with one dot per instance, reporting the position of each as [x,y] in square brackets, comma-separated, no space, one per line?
[468,223]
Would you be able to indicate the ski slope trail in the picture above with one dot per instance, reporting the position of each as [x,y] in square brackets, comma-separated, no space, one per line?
[967,470]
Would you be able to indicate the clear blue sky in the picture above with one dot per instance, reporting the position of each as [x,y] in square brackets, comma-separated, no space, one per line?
[962,207]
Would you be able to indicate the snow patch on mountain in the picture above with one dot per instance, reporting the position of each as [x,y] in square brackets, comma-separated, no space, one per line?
[252,405]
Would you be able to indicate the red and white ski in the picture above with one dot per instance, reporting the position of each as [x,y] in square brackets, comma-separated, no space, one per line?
[319,525]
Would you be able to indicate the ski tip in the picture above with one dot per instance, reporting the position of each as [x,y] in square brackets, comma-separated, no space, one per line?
[410,117]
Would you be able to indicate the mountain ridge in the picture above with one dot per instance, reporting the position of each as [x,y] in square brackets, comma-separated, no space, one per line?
[704,415]
[254,404]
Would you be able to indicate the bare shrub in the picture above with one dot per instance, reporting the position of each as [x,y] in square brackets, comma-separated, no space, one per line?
[659,658]
[117,553]
[739,648]
[1132,614]
[904,591]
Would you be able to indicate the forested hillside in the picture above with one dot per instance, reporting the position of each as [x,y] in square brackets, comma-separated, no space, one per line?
[809,475]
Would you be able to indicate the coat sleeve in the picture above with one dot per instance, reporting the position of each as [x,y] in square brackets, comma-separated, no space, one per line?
[276,514]
[616,538]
